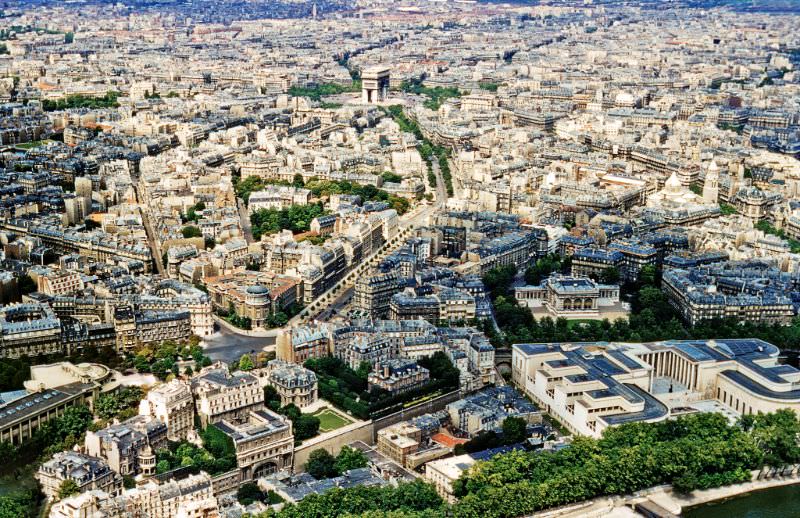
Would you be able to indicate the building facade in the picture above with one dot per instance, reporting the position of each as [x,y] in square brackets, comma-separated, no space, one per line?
[88,473]
[221,395]
[172,404]
[264,442]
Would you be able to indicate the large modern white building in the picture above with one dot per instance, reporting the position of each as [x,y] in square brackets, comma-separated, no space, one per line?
[591,386]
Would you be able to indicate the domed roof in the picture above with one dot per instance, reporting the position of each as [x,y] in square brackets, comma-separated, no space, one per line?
[673,184]
[257,290]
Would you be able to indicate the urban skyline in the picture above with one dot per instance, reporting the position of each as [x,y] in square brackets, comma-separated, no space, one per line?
[399,258]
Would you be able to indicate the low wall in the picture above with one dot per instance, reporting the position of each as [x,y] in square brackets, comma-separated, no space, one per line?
[226,482]
[333,441]
[366,431]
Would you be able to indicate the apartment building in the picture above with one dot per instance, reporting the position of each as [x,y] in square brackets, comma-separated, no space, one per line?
[88,473]
[398,375]
[294,384]
[219,395]
[172,404]
[129,447]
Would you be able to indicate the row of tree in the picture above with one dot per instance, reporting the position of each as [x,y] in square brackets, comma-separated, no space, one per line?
[409,499]
[367,193]
[109,100]
[322,464]
[652,317]
[427,149]
[317,92]
[165,360]
[348,389]
[436,95]
[217,455]
[296,218]
[692,452]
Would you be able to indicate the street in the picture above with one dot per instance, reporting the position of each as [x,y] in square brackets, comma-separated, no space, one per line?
[152,239]
[244,217]
[228,346]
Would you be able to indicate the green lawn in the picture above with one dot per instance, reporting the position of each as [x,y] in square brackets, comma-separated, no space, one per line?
[578,321]
[330,420]
[31,145]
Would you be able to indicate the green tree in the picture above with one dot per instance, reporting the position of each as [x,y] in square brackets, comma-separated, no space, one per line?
[648,275]
[410,499]
[514,430]
[11,508]
[249,493]
[305,427]
[68,488]
[246,363]
[321,464]
[191,231]
[112,404]
[610,276]
[162,466]
[498,280]
[350,458]
[13,373]
[389,176]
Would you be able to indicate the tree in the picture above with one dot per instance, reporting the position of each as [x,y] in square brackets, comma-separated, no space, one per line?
[648,275]
[162,466]
[11,508]
[610,276]
[408,499]
[305,427]
[249,493]
[13,373]
[364,369]
[514,430]
[321,464]
[389,176]
[298,181]
[271,397]
[277,319]
[112,404]
[498,280]
[350,458]
[246,363]
[68,488]
[8,452]
[190,231]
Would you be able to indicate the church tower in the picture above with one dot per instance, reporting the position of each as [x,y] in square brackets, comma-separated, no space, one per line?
[711,185]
